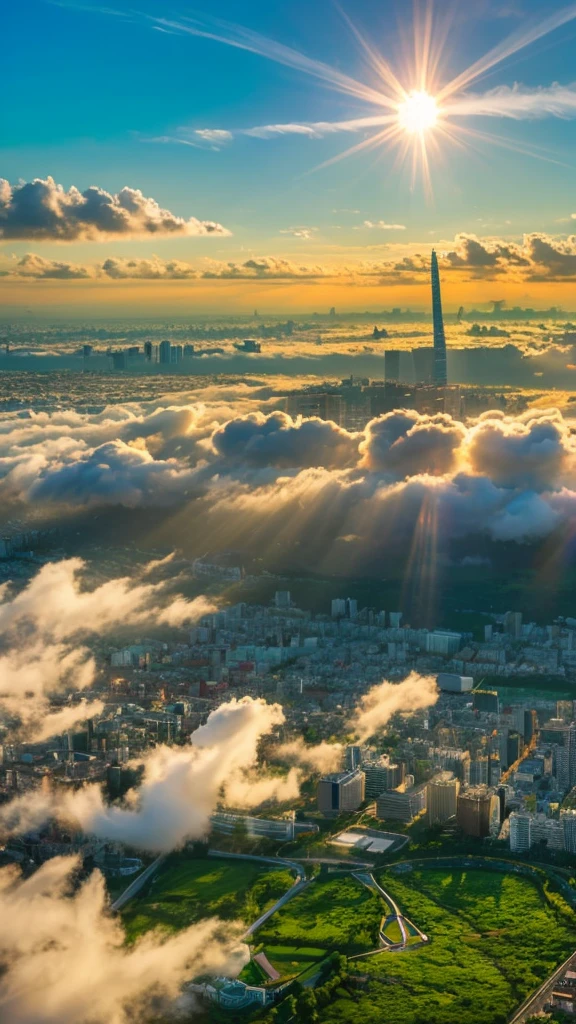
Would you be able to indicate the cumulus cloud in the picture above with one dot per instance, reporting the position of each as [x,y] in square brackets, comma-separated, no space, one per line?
[377,707]
[319,757]
[526,452]
[44,625]
[65,959]
[278,440]
[114,473]
[57,602]
[148,269]
[406,443]
[181,786]
[263,267]
[32,675]
[32,265]
[45,211]
[535,257]
[247,470]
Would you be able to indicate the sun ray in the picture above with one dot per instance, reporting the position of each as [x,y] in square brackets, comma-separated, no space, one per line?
[244,39]
[369,143]
[523,148]
[515,42]
[418,108]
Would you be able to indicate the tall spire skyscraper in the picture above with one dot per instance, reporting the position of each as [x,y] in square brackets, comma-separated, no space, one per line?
[439,373]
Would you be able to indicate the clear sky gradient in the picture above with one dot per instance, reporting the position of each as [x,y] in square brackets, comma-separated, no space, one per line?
[93,90]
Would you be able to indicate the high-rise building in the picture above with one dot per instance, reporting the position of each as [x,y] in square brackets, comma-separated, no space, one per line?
[381,776]
[478,811]
[397,806]
[513,624]
[392,364]
[442,798]
[353,757]
[520,832]
[530,724]
[148,351]
[341,791]
[486,701]
[282,599]
[568,819]
[164,351]
[514,747]
[440,375]
[423,363]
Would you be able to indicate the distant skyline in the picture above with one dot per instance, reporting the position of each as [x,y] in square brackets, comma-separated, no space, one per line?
[215,152]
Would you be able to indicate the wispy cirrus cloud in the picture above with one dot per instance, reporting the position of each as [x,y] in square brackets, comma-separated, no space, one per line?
[382,225]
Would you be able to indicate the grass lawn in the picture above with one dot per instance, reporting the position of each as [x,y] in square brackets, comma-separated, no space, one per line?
[187,889]
[330,914]
[392,931]
[290,960]
[494,938]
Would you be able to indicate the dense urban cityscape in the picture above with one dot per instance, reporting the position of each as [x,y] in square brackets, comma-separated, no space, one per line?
[288,513]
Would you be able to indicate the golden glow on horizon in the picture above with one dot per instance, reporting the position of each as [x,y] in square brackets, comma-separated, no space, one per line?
[418,113]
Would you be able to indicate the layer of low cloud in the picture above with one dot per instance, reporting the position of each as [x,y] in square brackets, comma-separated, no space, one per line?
[181,786]
[44,211]
[505,476]
[64,956]
[537,257]
[45,626]
[382,702]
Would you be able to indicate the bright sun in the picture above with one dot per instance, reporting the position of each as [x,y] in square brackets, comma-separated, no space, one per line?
[418,113]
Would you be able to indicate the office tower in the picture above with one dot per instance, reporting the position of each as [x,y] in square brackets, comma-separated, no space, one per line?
[514,747]
[568,819]
[282,599]
[486,701]
[176,352]
[392,365]
[119,360]
[423,360]
[340,791]
[520,832]
[530,725]
[478,811]
[479,771]
[439,373]
[513,624]
[188,351]
[164,350]
[393,805]
[382,776]
[148,351]
[442,798]
[501,793]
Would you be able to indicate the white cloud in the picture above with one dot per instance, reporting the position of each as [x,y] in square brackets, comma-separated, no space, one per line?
[45,211]
[65,959]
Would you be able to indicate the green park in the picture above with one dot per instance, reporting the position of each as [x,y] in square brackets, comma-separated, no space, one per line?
[492,937]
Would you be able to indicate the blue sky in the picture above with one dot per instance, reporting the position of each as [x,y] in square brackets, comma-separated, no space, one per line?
[90,89]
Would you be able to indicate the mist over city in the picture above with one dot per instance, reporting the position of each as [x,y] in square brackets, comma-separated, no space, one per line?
[287,510]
